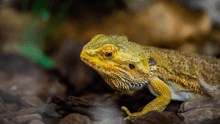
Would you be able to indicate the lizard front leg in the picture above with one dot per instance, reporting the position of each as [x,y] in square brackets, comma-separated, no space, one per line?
[158,103]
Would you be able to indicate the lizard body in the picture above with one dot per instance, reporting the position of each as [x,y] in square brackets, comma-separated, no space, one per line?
[168,74]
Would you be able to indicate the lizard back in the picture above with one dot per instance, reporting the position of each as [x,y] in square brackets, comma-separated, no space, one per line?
[187,66]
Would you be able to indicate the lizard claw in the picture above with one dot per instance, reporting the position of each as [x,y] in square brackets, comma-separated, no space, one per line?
[126,118]
[126,110]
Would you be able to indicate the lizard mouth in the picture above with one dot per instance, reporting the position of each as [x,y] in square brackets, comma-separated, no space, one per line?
[85,59]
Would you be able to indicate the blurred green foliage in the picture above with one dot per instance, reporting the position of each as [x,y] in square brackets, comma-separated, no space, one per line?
[33,37]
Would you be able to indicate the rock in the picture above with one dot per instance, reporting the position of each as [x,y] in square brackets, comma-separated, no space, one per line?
[5,121]
[119,120]
[208,89]
[156,117]
[36,121]
[96,111]
[75,119]
[201,111]
[8,98]
[33,101]
[3,109]
[12,107]
[48,111]
[26,118]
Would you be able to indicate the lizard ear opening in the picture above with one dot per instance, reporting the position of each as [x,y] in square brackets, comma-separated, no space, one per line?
[152,62]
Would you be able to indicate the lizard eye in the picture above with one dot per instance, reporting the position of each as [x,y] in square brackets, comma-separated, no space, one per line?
[108,54]
[108,51]
[131,66]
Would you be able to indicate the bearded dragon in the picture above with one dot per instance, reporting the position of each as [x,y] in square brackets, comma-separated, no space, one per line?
[168,74]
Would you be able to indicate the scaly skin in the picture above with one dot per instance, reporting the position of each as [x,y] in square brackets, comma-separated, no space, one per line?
[168,74]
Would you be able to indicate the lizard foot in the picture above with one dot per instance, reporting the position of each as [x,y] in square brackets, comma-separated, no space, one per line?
[129,113]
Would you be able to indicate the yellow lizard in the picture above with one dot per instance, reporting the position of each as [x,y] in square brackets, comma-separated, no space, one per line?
[168,74]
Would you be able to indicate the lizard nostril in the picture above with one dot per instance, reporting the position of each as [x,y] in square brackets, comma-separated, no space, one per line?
[90,53]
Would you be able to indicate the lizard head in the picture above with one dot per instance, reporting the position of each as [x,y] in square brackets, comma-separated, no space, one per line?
[120,62]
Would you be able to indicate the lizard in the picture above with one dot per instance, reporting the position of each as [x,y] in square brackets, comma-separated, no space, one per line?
[168,74]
